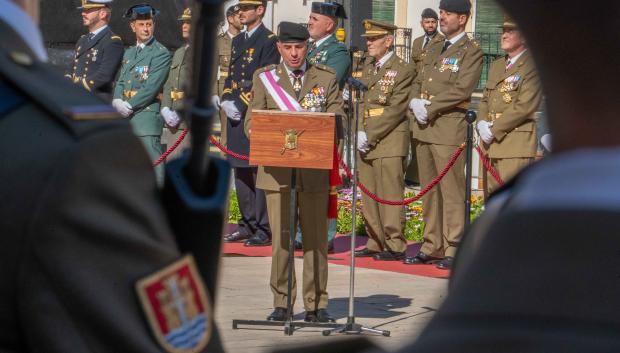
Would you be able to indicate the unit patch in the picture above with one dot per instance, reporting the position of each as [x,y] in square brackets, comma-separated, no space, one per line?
[176,305]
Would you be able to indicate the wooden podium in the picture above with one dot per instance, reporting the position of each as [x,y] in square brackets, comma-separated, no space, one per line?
[292,139]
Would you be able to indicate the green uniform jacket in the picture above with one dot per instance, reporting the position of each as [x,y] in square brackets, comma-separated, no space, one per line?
[317,76]
[334,54]
[418,53]
[177,80]
[510,100]
[447,80]
[144,74]
[384,106]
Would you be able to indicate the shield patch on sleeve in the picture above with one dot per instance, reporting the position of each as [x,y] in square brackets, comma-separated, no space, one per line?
[176,305]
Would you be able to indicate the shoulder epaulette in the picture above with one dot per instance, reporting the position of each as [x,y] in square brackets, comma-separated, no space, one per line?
[115,37]
[325,68]
[271,35]
[267,68]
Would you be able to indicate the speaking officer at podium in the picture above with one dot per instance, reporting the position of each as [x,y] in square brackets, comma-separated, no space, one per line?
[506,113]
[441,95]
[383,142]
[98,54]
[311,88]
[251,50]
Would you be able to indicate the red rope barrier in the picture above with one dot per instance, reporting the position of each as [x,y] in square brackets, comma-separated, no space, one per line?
[415,198]
[227,151]
[488,167]
[361,186]
[171,149]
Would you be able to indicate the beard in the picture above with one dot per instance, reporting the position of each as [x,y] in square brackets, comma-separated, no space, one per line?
[429,33]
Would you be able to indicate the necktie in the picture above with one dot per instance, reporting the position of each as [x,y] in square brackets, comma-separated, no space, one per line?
[426,40]
[446,45]
[297,75]
[312,47]
[247,36]
[377,66]
[508,65]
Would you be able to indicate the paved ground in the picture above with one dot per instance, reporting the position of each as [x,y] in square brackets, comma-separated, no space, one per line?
[391,301]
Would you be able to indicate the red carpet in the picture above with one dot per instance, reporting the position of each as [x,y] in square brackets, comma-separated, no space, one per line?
[341,256]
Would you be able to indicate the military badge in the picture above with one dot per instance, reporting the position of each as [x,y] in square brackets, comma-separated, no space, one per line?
[510,83]
[291,137]
[142,72]
[94,52]
[382,99]
[451,64]
[507,98]
[315,100]
[177,307]
[250,58]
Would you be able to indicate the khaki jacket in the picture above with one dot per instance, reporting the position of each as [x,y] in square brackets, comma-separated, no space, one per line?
[418,53]
[224,43]
[320,77]
[509,101]
[447,80]
[177,83]
[384,107]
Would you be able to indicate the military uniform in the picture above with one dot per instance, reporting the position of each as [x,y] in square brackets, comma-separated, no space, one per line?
[81,218]
[510,100]
[96,62]
[224,47]
[247,55]
[313,192]
[418,49]
[333,54]
[174,93]
[447,80]
[140,81]
[383,119]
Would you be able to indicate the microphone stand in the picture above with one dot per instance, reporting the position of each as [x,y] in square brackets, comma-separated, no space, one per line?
[351,327]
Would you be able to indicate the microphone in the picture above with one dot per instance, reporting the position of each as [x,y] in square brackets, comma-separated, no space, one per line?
[357,84]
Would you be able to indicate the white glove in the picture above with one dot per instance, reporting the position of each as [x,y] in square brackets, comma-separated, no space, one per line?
[346,94]
[484,130]
[122,107]
[231,111]
[546,142]
[362,142]
[418,107]
[171,117]
[215,100]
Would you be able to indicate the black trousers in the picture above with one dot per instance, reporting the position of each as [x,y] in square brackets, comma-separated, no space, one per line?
[252,203]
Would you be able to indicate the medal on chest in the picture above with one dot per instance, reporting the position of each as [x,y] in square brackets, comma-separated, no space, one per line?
[142,72]
[249,55]
[93,54]
[510,84]
[451,64]
[315,100]
[388,80]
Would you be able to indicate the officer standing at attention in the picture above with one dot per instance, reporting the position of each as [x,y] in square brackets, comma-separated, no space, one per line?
[383,142]
[85,238]
[224,44]
[325,49]
[308,87]
[431,36]
[174,89]
[144,71]
[418,52]
[441,96]
[254,49]
[98,54]
[511,97]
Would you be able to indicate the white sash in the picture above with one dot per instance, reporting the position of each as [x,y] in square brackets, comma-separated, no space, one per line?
[284,100]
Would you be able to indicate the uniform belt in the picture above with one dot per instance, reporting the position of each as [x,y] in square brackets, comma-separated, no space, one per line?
[371,113]
[176,95]
[463,105]
[494,116]
[129,94]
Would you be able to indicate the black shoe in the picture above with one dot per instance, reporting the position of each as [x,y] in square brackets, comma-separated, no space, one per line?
[446,263]
[235,237]
[259,239]
[330,246]
[298,245]
[320,315]
[419,259]
[279,314]
[389,256]
[365,253]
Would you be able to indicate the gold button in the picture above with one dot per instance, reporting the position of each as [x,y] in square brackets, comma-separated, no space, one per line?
[430,79]
[21,58]
[129,81]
